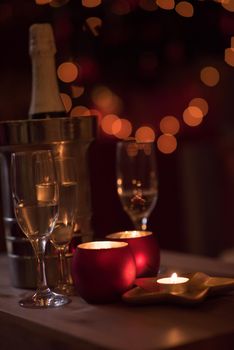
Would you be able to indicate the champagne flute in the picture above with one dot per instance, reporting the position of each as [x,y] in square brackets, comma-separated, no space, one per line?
[63,231]
[35,198]
[137,185]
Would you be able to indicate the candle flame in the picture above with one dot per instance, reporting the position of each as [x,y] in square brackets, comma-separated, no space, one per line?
[174,277]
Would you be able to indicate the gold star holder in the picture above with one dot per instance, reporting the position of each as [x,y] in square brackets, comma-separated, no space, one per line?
[198,287]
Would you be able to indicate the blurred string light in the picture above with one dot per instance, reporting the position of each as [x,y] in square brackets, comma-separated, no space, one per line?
[77,91]
[229,56]
[122,128]
[106,100]
[91,3]
[80,111]
[167,143]
[228,5]
[169,125]
[210,76]
[166,4]
[94,24]
[67,72]
[145,134]
[192,116]
[229,53]
[200,103]
[184,9]
[67,101]
[110,105]
[107,123]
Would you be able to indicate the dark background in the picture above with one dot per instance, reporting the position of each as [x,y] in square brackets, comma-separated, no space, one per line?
[152,61]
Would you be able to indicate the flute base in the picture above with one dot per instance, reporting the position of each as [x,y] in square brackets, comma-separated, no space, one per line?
[65,289]
[44,299]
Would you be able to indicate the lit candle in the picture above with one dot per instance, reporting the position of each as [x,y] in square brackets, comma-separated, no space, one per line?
[174,284]
[145,249]
[103,270]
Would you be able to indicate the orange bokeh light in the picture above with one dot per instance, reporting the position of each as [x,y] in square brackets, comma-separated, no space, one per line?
[166,4]
[185,9]
[67,101]
[167,143]
[77,91]
[91,3]
[192,116]
[200,103]
[232,42]
[107,123]
[209,76]
[94,24]
[145,134]
[67,72]
[122,128]
[228,5]
[80,111]
[229,56]
[106,100]
[169,125]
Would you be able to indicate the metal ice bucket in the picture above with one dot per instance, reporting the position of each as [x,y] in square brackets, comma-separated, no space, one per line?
[65,137]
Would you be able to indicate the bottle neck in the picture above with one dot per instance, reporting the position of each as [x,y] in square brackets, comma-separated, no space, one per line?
[45,98]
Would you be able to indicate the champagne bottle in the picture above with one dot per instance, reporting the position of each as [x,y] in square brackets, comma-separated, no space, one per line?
[45,99]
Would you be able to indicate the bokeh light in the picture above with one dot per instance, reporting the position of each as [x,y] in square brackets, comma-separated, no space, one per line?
[228,5]
[229,56]
[91,3]
[145,134]
[200,103]
[107,123]
[192,116]
[166,4]
[122,128]
[77,91]
[106,100]
[209,76]
[94,24]
[167,143]
[67,72]
[80,111]
[184,9]
[67,101]
[169,125]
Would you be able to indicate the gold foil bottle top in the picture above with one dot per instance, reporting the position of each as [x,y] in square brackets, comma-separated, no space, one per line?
[41,39]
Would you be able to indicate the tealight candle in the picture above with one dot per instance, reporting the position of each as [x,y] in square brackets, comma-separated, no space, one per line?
[173,284]
[145,249]
[103,270]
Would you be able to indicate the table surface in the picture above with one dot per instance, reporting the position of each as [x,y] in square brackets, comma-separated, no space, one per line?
[209,325]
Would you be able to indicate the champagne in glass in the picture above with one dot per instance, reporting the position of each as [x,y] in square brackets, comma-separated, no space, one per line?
[63,231]
[35,197]
[137,184]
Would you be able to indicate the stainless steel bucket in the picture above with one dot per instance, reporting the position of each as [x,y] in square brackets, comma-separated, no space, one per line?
[66,137]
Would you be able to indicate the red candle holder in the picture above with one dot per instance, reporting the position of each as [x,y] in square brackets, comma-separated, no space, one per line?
[145,248]
[103,270]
